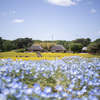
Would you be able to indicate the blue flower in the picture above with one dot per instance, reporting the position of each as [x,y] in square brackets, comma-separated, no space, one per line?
[55,95]
[43,94]
[72,85]
[28,91]
[3,97]
[16,79]
[90,83]
[37,88]
[83,91]
[12,91]
[25,86]
[19,95]
[93,98]
[78,92]
[15,85]
[59,87]
[17,70]
[47,89]
[69,89]
[8,79]
[64,94]
[5,91]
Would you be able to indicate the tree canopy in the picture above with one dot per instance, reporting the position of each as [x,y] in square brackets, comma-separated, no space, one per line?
[94,47]
[7,45]
[83,41]
[75,45]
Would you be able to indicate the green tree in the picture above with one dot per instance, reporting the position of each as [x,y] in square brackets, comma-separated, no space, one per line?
[22,43]
[94,47]
[1,41]
[60,42]
[7,45]
[83,41]
[18,44]
[66,44]
[97,40]
[36,41]
[75,47]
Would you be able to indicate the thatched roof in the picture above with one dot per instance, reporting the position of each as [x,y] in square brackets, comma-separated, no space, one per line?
[35,47]
[84,48]
[58,47]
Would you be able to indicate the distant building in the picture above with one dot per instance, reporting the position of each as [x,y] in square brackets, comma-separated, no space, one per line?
[84,50]
[58,48]
[35,48]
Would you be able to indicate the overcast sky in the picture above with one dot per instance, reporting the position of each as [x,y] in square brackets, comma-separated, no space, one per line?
[40,19]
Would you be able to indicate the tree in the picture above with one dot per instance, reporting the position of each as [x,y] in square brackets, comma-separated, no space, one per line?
[66,44]
[75,47]
[97,40]
[1,41]
[60,42]
[7,45]
[26,42]
[83,41]
[18,44]
[22,43]
[94,47]
[37,41]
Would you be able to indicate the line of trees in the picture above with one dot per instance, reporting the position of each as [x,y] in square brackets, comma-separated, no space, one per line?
[75,45]
[7,45]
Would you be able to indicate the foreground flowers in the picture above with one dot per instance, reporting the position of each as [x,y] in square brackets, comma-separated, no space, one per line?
[70,78]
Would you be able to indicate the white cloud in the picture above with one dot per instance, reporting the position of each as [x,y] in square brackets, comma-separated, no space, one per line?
[98,33]
[62,2]
[18,21]
[93,10]
[13,12]
[9,12]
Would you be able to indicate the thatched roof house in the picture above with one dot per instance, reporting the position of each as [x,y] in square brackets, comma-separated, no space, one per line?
[84,49]
[35,48]
[58,48]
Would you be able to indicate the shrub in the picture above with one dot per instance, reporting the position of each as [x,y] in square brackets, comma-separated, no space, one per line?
[75,47]
[20,50]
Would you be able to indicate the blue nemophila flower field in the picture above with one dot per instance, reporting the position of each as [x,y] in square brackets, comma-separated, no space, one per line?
[70,78]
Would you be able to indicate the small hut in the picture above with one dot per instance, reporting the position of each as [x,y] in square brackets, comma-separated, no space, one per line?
[84,50]
[35,48]
[58,48]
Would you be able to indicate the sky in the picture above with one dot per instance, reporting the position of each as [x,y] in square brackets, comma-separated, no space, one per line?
[43,19]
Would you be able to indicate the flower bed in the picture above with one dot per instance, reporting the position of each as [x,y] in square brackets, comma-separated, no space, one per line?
[69,78]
